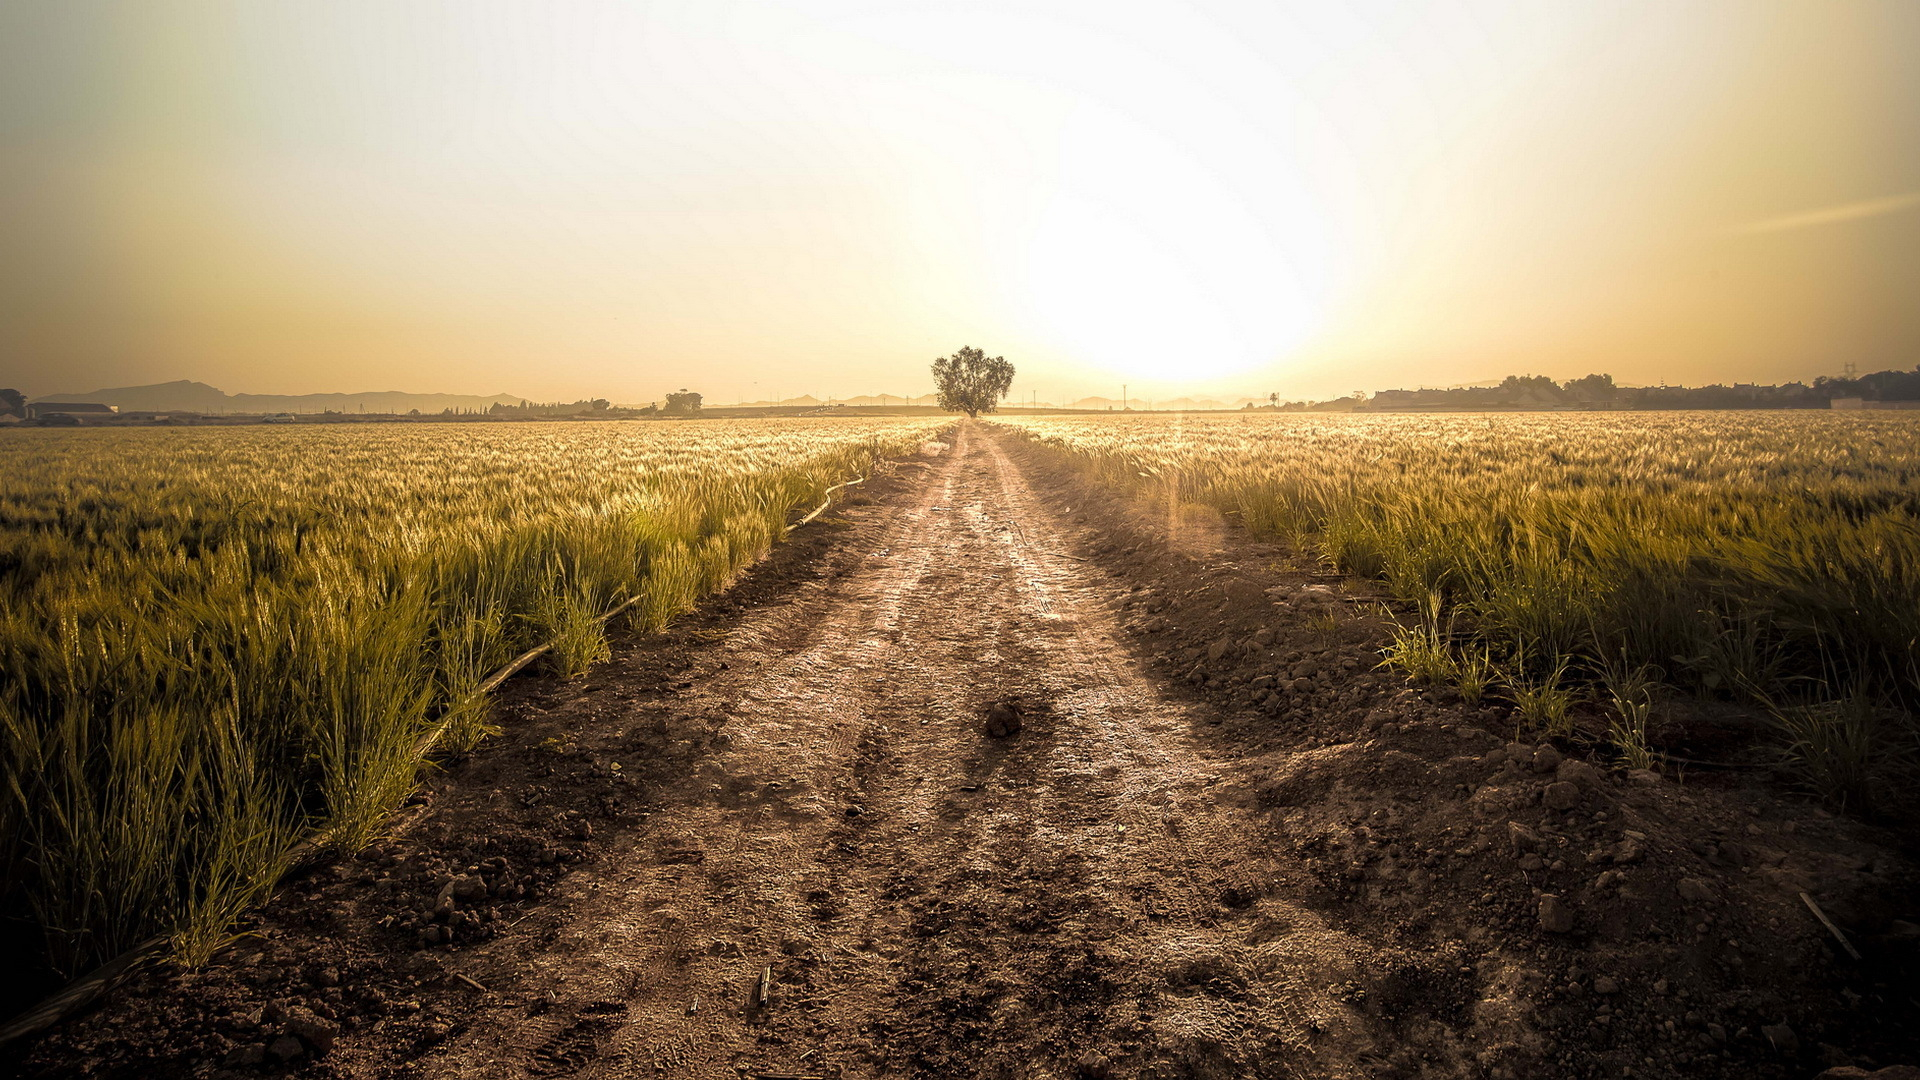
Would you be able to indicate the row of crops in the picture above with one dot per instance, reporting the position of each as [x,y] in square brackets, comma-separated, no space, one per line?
[216,641]
[1770,558]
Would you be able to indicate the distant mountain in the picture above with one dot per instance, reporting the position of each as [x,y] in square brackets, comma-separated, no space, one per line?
[889,399]
[808,401]
[186,396]
[1172,404]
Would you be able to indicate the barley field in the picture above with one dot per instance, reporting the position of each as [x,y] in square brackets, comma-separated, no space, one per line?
[1767,557]
[214,642]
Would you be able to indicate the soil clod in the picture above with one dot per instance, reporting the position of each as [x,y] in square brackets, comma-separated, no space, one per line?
[1004,718]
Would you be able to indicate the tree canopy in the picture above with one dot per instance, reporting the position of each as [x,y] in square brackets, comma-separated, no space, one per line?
[972,382]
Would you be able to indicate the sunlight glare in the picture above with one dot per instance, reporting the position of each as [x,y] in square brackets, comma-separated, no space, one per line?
[1147,262]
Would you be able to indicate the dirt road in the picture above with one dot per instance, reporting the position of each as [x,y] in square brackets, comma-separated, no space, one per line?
[1088,895]
[780,842]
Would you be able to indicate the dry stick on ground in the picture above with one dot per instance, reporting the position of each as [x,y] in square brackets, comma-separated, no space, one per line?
[76,994]
[1828,923]
[763,988]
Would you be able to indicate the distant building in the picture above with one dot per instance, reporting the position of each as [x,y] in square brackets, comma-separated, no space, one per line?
[41,410]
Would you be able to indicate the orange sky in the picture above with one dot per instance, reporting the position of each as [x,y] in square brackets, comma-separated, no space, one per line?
[611,199]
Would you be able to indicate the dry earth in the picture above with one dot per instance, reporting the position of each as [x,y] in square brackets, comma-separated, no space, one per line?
[780,841]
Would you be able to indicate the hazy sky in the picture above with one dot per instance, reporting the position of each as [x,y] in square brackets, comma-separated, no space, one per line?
[611,199]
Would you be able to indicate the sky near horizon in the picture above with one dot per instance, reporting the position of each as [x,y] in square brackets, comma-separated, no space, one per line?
[612,199]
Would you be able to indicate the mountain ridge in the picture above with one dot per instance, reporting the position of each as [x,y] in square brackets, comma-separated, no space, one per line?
[186,395]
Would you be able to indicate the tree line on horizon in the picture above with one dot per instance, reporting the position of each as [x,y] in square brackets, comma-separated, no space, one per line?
[1600,391]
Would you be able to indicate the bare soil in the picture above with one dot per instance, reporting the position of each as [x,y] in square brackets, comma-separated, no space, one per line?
[998,774]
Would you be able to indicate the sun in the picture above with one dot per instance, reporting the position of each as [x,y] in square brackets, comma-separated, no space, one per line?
[1160,274]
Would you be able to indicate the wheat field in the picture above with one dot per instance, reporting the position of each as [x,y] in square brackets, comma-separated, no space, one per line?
[217,641]
[1766,557]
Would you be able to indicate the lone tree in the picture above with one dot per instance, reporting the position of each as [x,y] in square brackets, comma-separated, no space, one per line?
[684,403]
[972,382]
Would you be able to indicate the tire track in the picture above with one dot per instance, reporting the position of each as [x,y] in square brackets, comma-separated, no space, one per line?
[1091,897]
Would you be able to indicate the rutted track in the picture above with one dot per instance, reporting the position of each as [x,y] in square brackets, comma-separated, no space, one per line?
[1087,896]
[1298,867]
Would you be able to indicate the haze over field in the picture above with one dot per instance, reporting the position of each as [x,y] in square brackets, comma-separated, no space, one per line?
[767,200]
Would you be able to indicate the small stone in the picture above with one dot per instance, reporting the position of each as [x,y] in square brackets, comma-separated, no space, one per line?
[1603,984]
[309,1028]
[1003,719]
[1555,916]
[1577,772]
[470,887]
[1545,758]
[1219,649]
[1561,795]
[1531,862]
[246,1055]
[1782,1038]
[1523,838]
[325,976]
[1695,890]
[286,1048]
[1642,777]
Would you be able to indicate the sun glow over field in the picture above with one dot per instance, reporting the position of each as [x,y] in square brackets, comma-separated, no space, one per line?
[1198,301]
[1153,262]
[1221,197]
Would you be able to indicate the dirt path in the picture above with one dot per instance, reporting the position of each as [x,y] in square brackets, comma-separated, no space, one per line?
[1088,896]
[1224,845]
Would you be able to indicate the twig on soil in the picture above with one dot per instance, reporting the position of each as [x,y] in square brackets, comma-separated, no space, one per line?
[79,992]
[763,988]
[470,982]
[823,506]
[1828,923]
